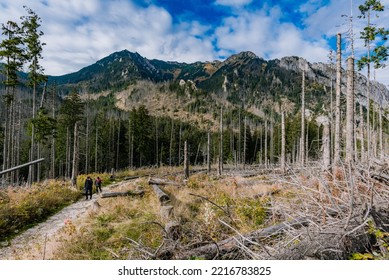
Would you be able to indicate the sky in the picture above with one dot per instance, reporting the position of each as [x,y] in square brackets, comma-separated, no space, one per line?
[77,33]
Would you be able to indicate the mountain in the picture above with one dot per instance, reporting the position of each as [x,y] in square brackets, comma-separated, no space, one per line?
[243,79]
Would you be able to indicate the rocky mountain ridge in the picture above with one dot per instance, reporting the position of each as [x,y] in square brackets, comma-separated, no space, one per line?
[241,76]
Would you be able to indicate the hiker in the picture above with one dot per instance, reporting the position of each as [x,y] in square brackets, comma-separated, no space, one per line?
[88,187]
[98,183]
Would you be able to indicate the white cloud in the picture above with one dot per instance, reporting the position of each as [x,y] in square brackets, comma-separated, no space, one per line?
[310,6]
[266,35]
[233,3]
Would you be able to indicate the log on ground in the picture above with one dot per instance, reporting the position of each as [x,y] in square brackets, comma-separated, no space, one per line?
[162,182]
[162,196]
[127,193]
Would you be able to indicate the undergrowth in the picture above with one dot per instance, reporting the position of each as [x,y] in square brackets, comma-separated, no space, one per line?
[21,208]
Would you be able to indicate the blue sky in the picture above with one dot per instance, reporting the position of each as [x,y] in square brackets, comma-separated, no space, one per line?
[80,32]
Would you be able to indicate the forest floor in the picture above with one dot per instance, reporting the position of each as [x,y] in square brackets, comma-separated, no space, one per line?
[42,241]
[305,215]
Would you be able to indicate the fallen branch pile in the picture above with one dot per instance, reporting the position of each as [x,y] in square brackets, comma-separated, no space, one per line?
[330,217]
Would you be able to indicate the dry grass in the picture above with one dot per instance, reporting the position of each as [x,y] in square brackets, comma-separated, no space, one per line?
[111,231]
[133,227]
[21,208]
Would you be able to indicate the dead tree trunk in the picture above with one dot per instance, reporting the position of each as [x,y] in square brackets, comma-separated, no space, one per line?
[361,130]
[67,166]
[162,196]
[127,193]
[302,142]
[209,152]
[75,156]
[186,161]
[220,248]
[337,102]
[266,162]
[326,146]
[282,141]
[171,144]
[161,182]
[244,143]
[350,112]
[221,143]
[381,153]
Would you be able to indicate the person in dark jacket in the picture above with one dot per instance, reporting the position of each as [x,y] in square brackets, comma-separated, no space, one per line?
[88,187]
[98,183]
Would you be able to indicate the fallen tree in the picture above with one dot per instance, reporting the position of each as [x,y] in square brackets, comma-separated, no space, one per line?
[162,196]
[162,182]
[213,250]
[126,193]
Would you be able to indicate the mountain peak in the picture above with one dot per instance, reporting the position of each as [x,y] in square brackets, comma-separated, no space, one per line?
[241,56]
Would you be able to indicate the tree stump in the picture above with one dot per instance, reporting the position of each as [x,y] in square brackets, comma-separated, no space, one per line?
[173,230]
[167,211]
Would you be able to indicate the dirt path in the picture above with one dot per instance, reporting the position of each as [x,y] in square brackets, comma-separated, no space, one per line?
[40,242]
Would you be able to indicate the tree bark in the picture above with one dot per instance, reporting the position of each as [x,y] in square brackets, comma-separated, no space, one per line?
[326,146]
[302,138]
[221,143]
[350,112]
[75,156]
[209,153]
[127,193]
[337,101]
[282,141]
[186,161]
[244,143]
[381,154]
[265,157]
[156,143]
[162,196]
[171,144]
[361,133]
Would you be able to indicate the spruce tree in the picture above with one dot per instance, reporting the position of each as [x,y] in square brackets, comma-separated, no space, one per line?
[34,47]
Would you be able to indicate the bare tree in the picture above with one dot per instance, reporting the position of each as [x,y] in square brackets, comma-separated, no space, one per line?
[361,133]
[350,111]
[244,143]
[337,101]
[282,141]
[186,160]
[75,156]
[326,142]
[221,143]
[381,132]
[302,137]
[209,152]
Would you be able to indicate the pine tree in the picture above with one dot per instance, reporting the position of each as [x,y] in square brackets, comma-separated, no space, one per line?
[71,112]
[34,47]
